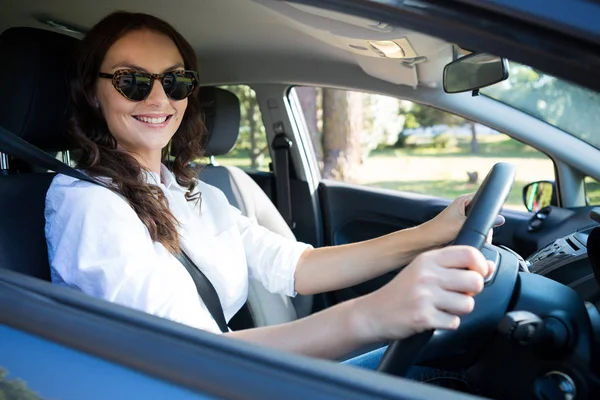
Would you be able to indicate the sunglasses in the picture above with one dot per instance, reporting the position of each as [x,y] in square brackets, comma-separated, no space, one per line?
[137,85]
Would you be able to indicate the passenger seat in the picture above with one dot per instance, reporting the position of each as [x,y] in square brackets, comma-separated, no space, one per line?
[222,113]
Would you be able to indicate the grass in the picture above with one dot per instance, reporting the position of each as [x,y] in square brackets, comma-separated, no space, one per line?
[450,189]
[494,146]
[443,172]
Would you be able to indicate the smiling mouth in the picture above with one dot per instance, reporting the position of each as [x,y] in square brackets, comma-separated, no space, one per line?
[153,120]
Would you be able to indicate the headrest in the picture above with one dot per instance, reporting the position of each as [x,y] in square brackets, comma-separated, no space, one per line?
[221,110]
[33,85]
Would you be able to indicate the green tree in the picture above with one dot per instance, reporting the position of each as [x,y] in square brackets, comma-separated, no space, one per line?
[342,128]
[252,140]
[561,103]
[15,389]
[417,115]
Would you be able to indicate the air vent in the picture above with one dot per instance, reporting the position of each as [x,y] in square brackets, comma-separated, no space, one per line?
[572,244]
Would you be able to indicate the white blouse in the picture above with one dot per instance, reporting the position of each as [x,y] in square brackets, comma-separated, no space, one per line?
[97,244]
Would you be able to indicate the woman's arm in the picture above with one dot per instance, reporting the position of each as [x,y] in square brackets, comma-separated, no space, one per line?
[331,268]
[430,293]
[337,267]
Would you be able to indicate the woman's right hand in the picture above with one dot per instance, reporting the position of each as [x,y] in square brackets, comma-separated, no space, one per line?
[430,293]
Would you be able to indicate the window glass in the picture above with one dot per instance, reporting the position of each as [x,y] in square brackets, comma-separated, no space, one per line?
[15,388]
[251,151]
[562,104]
[592,191]
[384,142]
[33,368]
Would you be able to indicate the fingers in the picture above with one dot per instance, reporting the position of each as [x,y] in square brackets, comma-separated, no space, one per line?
[490,237]
[435,319]
[461,281]
[454,303]
[491,268]
[465,200]
[499,221]
[436,289]
[465,257]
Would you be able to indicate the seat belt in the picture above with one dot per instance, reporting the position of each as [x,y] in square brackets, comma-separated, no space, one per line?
[18,147]
[282,145]
[206,291]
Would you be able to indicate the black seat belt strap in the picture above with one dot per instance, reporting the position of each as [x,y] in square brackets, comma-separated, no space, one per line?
[206,290]
[282,145]
[18,147]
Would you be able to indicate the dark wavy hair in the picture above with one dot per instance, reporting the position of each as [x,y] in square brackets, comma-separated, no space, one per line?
[99,154]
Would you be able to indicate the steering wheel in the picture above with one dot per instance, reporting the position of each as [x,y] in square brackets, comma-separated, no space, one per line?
[481,214]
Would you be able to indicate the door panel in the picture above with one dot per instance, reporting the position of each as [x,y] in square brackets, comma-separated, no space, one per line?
[353,212]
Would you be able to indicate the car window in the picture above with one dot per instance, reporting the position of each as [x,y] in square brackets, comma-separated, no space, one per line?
[565,105]
[15,388]
[592,191]
[384,142]
[53,371]
[251,151]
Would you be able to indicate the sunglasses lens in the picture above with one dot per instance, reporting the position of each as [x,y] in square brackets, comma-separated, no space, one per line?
[135,86]
[178,85]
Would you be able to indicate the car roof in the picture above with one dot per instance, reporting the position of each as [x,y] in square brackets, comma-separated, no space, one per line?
[242,39]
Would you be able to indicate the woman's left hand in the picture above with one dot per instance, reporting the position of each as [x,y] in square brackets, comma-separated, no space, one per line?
[446,225]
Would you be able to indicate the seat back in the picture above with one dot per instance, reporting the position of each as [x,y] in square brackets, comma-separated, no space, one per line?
[222,112]
[22,240]
[33,105]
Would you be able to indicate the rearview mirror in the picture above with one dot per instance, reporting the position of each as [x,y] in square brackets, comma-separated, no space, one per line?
[538,195]
[473,72]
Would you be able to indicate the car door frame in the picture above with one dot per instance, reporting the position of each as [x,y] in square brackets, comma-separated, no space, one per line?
[68,325]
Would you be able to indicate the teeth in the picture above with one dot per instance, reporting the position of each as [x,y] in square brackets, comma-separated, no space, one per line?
[151,120]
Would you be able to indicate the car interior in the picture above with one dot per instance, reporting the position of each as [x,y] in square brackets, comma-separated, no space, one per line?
[540,309]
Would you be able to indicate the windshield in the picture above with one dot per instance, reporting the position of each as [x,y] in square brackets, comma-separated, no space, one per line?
[564,105]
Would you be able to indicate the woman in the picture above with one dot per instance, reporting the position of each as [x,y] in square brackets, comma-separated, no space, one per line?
[133,102]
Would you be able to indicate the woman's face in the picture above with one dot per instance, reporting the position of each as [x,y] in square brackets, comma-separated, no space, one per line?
[142,128]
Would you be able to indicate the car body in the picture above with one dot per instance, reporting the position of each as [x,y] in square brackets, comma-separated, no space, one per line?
[66,345]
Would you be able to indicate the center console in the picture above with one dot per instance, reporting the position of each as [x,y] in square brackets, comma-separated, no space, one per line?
[565,260]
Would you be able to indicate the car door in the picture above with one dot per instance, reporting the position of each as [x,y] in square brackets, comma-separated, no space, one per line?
[58,343]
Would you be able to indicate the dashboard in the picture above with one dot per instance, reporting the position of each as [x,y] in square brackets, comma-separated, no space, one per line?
[565,260]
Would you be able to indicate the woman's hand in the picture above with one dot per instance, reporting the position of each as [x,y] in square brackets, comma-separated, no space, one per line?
[430,293]
[445,226]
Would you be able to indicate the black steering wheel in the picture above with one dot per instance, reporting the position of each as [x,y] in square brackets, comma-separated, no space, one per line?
[481,214]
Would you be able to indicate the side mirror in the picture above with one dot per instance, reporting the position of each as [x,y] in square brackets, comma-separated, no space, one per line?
[474,72]
[538,195]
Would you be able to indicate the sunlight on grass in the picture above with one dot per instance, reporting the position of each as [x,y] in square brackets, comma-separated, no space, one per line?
[489,146]
[451,189]
[443,172]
